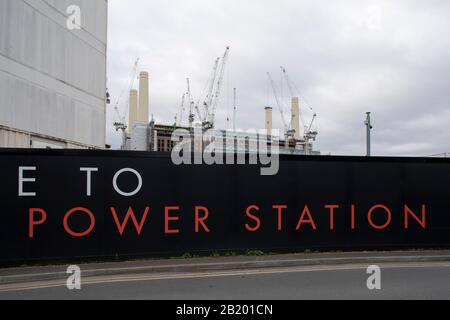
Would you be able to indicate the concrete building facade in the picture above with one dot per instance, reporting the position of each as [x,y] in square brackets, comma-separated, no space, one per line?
[52,78]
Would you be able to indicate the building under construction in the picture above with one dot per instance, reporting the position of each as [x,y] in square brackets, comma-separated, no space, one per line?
[141,134]
[154,137]
[145,135]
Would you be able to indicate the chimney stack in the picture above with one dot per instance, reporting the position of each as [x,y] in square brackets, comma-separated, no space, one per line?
[269,121]
[134,114]
[295,124]
[143,116]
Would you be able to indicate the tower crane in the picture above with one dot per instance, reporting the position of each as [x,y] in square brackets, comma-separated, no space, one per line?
[212,118]
[210,96]
[289,133]
[293,92]
[288,80]
[207,115]
[120,124]
[191,104]
[310,134]
[215,90]
[179,117]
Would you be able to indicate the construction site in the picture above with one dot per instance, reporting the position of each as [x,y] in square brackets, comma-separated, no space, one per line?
[141,133]
[67,105]
[54,93]
[159,150]
[67,101]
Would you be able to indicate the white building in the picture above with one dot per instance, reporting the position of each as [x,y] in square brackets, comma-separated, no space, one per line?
[52,79]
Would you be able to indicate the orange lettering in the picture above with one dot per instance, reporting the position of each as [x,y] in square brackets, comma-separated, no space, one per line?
[168,219]
[331,208]
[130,215]
[254,218]
[201,221]
[33,222]
[310,219]
[422,222]
[80,234]
[388,222]
[280,209]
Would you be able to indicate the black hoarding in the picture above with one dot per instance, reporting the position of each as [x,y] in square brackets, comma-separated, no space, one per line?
[86,204]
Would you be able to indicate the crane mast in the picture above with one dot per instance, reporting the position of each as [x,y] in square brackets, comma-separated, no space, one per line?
[208,117]
[121,118]
[179,119]
[287,129]
[292,90]
[219,86]
[121,125]
[208,122]
[209,98]
[288,81]
[191,105]
[310,134]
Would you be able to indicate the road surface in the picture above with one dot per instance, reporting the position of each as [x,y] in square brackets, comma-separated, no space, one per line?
[399,281]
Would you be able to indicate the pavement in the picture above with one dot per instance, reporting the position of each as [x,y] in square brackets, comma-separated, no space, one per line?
[406,275]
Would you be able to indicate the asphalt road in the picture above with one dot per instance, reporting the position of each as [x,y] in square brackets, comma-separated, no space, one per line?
[399,281]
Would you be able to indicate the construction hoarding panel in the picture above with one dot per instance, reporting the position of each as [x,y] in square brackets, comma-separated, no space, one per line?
[62,205]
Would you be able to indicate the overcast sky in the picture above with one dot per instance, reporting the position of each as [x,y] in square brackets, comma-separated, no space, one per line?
[345,57]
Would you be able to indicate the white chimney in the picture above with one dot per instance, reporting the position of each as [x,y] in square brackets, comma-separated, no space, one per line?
[269,120]
[133,114]
[144,112]
[295,124]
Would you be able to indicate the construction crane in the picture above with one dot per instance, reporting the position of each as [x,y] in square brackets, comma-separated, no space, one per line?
[179,117]
[289,133]
[122,118]
[288,80]
[310,134]
[215,90]
[120,124]
[294,92]
[191,105]
[210,96]
[310,131]
[212,116]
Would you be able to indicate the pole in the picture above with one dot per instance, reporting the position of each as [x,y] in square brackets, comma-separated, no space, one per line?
[369,131]
[234,110]
[191,105]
